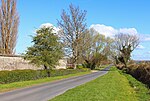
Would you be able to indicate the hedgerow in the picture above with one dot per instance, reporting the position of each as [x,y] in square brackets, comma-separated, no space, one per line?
[26,75]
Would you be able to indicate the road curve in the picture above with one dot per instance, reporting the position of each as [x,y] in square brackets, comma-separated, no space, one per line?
[48,91]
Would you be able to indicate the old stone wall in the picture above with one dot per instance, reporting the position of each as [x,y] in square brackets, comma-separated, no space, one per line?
[14,62]
[17,62]
[62,64]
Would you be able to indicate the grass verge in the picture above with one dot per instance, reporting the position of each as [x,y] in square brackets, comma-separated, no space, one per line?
[16,85]
[143,93]
[110,87]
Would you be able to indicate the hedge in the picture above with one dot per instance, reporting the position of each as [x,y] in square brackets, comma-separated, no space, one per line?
[26,75]
[140,71]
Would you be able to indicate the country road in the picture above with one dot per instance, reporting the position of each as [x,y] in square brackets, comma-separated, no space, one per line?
[48,91]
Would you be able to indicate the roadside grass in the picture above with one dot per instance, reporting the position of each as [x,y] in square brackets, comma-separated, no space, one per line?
[16,85]
[110,87]
[143,93]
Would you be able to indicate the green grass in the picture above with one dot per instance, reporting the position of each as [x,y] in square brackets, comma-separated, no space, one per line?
[143,93]
[110,87]
[15,85]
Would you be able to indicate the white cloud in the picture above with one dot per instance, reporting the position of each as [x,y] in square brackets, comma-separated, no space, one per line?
[147,39]
[56,29]
[109,31]
[128,30]
[140,47]
[46,25]
[148,52]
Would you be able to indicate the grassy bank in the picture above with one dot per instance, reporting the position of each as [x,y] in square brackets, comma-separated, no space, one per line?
[142,91]
[15,85]
[110,87]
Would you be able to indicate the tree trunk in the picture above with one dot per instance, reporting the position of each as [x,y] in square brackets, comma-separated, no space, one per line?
[93,66]
[90,65]
[125,64]
[9,21]
[48,72]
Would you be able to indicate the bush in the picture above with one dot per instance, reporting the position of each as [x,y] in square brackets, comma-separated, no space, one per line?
[79,66]
[140,71]
[89,65]
[25,75]
[70,66]
[20,75]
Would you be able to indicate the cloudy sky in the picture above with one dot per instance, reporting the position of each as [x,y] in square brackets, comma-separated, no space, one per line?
[106,16]
[141,52]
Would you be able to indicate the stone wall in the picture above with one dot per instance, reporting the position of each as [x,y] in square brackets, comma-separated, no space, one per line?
[62,64]
[17,62]
[14,62]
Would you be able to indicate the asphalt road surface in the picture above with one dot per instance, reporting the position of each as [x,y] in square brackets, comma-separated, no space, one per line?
[48,91]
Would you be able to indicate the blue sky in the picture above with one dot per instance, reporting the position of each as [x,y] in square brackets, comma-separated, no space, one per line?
[117,14]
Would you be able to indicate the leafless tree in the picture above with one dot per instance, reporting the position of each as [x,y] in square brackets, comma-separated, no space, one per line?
[73,28]
[9,21]
[125,44]
[96,48]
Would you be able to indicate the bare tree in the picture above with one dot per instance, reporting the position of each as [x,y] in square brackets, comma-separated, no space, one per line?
[125,44]
[96,48]
[73,27]
[9,21]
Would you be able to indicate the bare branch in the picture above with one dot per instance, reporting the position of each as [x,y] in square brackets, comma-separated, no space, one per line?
[125,44]
[73,29]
